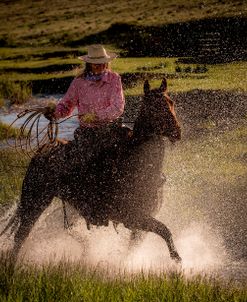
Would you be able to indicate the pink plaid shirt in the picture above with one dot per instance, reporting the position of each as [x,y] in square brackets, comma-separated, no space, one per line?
[104,98]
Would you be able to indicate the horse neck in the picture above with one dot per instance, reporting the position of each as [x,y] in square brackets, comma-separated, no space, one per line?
[142,131]
[147,144]
[148,152]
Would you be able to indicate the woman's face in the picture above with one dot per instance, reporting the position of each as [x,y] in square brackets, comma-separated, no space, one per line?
[99,68]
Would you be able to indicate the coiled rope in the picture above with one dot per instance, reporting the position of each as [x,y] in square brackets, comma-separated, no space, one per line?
[31,138]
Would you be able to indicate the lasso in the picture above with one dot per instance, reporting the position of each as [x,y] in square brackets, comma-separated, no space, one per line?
[31,139]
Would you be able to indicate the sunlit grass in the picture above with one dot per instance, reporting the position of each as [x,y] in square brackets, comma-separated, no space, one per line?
[15,92]
[130,65]
[12,170]
[39,24]
[25,53]
[8,132]
[215,159]
[37,63]
[71,282]
[230,76]
[27,77]
[120,65]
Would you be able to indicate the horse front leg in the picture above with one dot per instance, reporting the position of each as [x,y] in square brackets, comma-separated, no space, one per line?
[150,224]
[28,213]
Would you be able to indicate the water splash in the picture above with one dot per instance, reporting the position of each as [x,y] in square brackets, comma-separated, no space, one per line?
[48,242]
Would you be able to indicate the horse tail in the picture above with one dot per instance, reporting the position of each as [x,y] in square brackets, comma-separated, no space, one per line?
[13,223]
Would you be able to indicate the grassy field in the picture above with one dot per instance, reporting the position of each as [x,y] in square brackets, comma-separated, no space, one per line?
[231,76]
[6,131]
[12,170]
[32,24]
[68,282]
[181,77]
[36,42]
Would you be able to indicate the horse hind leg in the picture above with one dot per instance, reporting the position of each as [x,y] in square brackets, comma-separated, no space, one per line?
[150,224]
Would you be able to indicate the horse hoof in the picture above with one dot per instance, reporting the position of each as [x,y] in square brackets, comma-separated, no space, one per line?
[175,256]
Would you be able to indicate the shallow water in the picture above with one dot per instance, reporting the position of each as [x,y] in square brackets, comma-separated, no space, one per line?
[202,250]
[66,128]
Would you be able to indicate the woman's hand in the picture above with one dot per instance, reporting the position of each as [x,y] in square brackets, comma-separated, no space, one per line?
[49,111]
[89,118]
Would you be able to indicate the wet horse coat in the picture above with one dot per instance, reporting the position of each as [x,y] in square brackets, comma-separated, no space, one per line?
[122,184]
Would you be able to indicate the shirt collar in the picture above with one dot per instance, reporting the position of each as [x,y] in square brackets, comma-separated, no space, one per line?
[105,79]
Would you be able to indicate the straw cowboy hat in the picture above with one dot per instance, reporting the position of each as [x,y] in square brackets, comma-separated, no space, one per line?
[98,55]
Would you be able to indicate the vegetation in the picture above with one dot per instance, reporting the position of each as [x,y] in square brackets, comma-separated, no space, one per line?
[220,76]
[21,73]
[70,282]
[12,170]
[62,21]
[216,159]
[40,49]
[16,92]
[8,132]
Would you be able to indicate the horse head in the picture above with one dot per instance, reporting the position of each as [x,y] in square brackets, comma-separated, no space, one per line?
[157,114]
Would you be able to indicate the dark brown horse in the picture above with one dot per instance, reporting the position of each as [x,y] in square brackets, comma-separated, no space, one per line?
[122,184]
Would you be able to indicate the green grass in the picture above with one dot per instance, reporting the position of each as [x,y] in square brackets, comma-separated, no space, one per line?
[12,170]
[34,50]
[26,53]
[146,64]
[36,63]
[207,170]
[29,23]
[16,92]
[228,76]
[68,282]
[29,77]
[215,157]
[8,132]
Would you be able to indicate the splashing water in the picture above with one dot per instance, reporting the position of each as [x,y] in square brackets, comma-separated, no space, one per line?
[48,242]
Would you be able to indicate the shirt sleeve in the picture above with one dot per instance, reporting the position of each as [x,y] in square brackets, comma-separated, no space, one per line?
[67,104]
[116,102]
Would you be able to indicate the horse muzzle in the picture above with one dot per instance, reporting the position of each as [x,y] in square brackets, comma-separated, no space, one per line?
[174,135]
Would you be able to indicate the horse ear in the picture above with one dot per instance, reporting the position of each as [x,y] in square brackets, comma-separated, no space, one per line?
[163,86]
[146,87]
